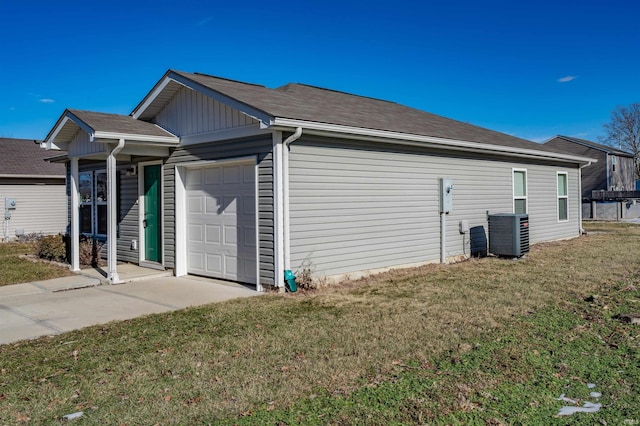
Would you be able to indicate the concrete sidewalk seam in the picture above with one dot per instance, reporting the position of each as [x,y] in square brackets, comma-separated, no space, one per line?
[30,318]
[166,305]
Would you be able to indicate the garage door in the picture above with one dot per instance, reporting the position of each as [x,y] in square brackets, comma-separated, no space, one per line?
[221,228]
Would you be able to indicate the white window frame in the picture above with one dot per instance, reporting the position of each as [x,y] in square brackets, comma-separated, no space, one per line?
[89,203]
[560,197]
[526,189]
[94,203]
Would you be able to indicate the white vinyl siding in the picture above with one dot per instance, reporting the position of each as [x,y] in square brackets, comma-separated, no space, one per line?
[520,191]
[355,209]
[563,197]
[192,113]
[40,208]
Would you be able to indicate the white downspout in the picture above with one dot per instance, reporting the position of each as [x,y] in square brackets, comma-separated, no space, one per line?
[112,214]
[285,189]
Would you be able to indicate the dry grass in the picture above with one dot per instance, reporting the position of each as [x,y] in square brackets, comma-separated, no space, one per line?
[218,362]
[15,270]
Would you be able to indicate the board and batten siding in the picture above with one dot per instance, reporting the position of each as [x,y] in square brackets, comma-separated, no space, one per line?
[356,207]
[82,145]
[260,147]
[40,207]
[192,113]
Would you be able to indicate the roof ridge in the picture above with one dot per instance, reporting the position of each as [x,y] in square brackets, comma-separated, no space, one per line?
[595,145]
[337,91]
[228,79]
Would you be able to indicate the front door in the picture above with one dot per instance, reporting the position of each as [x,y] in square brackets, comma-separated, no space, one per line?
[152,215]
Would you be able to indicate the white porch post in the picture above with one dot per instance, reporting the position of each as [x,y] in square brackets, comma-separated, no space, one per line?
[74,228]
[112,215]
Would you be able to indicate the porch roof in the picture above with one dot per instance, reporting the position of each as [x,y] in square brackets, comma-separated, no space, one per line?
[105,127]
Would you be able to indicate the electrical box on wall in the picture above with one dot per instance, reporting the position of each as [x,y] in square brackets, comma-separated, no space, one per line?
[446,195]
[10,203]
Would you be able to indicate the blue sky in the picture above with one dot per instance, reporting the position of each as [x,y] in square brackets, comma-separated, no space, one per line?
[531,70]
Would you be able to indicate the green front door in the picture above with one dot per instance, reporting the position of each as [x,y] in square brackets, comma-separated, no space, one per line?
[151,222]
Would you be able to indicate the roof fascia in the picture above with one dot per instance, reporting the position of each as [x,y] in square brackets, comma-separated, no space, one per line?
[151,96]
[5,176]
[325,129]
[169,140]
[219,96]
[84,126]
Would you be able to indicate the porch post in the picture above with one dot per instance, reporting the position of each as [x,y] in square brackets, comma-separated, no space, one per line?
[112,215]
[74,228]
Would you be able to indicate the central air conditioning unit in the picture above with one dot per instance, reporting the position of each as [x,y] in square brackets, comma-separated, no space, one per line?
[509,234]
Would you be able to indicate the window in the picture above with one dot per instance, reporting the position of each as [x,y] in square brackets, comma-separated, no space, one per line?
[93,202]
[519,191]
[613,163]
[563,197]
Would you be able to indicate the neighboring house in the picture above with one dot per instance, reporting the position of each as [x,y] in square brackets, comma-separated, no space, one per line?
[614,171]
[237,181]
[37,186]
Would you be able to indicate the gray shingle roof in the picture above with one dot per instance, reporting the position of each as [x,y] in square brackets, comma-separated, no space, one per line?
[116,123]
[25,157]
[309,103]
[605,148]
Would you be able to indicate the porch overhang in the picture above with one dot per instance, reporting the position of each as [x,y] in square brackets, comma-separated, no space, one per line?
[101,130]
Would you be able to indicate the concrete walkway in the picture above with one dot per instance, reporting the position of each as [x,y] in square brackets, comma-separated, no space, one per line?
[63,304]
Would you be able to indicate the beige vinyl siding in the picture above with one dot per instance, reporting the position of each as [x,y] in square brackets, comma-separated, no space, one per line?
[192,113]
[356,207]
[40,208]
[237,148]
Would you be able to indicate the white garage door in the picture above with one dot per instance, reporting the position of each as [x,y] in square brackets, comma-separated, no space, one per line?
[221,222]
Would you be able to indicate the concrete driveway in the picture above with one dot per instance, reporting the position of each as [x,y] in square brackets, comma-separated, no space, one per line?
[64,304]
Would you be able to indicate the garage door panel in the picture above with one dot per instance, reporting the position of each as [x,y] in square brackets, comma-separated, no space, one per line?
[213,234]
[231,174]
[212,205]
[249,237]
[194,204]
[230,235]
[221,222]
[230,205]
[195,233]
[212,176]
[248,205]
[194,178]
[214,264]
[231,266]
[196,261]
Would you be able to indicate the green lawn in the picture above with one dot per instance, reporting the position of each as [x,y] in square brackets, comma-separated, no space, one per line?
[14,269]
[488,341]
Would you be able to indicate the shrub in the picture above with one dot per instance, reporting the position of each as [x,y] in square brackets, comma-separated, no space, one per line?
[32,237]
[304,276]
[90,252]
[51,247]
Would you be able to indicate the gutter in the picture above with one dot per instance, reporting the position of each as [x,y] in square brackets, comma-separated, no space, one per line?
[358,133]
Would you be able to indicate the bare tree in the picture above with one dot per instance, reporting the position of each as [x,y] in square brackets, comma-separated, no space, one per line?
[623,131]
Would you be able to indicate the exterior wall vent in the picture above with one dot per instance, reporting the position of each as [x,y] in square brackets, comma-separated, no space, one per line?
[509,234]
